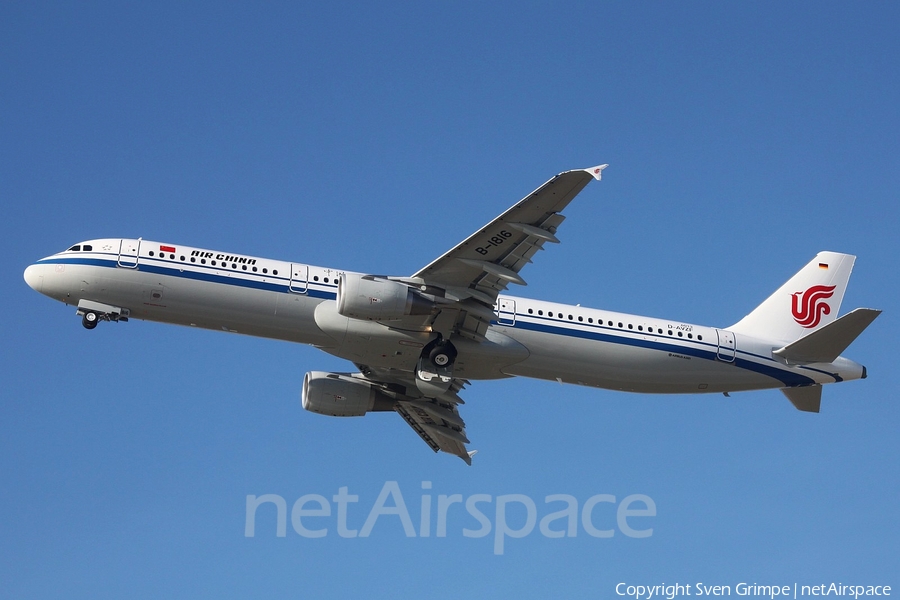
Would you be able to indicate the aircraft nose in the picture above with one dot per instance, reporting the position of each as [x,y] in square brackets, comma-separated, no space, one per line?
[34,277]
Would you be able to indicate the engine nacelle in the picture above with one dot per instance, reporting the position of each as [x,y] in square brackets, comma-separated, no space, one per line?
[373,299]
[342,395]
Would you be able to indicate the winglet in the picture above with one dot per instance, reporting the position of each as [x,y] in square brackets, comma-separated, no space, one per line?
[596,172]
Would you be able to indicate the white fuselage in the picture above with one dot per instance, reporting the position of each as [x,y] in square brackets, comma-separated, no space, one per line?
[528,338]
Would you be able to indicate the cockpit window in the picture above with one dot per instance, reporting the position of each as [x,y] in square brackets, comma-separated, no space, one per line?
[87,248]
[75,248]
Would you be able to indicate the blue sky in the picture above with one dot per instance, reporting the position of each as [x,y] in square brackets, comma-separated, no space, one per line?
[742,137]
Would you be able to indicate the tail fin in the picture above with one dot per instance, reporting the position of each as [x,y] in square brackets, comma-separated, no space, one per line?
[808,301]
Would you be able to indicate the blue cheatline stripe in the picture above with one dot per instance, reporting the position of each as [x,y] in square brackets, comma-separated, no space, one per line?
[614,339]
[599,326]
[788,378]
[93,262]
[837,378]
[146,267]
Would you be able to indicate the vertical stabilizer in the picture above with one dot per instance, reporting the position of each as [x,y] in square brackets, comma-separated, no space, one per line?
[809,300]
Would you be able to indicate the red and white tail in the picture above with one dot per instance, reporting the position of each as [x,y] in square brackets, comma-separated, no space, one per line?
[807,302]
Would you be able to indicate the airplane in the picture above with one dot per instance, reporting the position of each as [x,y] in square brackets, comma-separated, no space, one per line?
[418,340]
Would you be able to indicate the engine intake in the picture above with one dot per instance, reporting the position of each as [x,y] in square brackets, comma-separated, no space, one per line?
[342,395]
[375,299]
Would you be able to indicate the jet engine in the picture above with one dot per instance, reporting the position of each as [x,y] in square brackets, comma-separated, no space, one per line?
[342,395]
[376,299]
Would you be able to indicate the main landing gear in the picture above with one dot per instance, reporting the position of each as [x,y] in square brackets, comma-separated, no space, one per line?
[434,372]
[443,353]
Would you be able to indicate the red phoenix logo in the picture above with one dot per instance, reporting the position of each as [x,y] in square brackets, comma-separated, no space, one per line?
[809,306]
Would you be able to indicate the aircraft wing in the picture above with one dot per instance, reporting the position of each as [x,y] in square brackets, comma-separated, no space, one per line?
[438,423]
[482,265]
[465,283]
[435,420]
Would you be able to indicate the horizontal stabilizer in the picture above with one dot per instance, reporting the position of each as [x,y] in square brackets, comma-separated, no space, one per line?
[826,344]
[807,398]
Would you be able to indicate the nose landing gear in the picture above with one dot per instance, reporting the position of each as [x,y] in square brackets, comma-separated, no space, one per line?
[90,319]
[94,312]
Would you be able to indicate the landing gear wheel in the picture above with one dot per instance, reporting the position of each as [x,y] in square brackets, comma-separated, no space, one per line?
[90,320]
[443,354]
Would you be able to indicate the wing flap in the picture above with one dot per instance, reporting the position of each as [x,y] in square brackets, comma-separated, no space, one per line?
[438,424]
